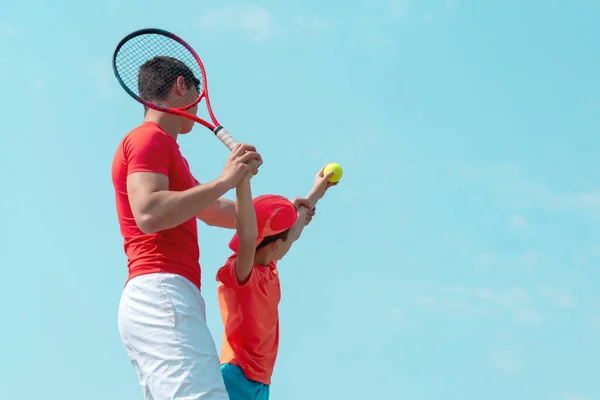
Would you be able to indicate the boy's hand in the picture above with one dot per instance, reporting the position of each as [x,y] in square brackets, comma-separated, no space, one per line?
[245,180]
[237,166]
[297,202]
[309,215]
[322,183]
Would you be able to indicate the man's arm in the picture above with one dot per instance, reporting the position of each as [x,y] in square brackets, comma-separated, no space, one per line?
[220,213]
[155,208]
[247,230]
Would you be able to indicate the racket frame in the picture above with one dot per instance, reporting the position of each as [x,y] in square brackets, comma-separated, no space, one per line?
[215,126]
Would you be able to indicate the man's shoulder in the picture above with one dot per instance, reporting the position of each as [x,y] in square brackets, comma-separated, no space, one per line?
[146,139]
[147,132]
[138,138]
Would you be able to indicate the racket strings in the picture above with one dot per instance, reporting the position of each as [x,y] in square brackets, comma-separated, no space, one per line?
[140,49]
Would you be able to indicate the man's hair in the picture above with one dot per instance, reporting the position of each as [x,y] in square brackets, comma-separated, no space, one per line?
[270,239]
[157,76]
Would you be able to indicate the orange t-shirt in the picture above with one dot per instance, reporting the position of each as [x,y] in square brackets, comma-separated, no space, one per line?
[148,148]
[251,319]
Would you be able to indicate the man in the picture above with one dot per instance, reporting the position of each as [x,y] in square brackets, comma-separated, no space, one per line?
[162,319]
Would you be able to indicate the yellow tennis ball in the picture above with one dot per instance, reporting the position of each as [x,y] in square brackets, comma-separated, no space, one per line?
[337,172]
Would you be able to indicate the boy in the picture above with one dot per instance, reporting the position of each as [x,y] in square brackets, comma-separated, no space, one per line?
[249,285]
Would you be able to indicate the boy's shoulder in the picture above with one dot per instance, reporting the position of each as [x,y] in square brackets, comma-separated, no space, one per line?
[226,275]
[226,268]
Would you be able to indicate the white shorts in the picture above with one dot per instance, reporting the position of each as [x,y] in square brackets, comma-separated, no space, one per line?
[162,323]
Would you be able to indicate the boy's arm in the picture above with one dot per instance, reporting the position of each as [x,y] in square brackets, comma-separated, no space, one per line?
[308,203]
[247,230]
[304,206]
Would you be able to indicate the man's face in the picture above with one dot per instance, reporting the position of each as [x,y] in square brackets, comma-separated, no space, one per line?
[187,95]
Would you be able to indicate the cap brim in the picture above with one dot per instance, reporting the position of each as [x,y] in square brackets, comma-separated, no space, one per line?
[275,214]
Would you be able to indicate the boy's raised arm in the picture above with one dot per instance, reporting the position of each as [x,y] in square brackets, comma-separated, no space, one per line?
[247,230]
[308,203]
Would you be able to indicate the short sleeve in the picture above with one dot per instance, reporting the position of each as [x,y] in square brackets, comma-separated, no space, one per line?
[228,277]
[149,151]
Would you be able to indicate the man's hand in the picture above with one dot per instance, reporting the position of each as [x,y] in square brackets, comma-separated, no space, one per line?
[237,166]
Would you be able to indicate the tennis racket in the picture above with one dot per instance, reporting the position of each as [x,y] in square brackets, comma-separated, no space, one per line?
[145,44]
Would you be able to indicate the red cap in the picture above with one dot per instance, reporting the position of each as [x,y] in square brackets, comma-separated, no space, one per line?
[274,214]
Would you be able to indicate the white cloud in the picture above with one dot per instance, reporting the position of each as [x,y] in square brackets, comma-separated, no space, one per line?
[528,315]
[512,297]
[7,29]
[452,305]
[576,396]
[559,297]
[373,42]
[481,301]
[595,322]
[451,300]
[486,261]
[398,316]
[425,300]
[314,24]
[517,222]
[505,361]
[253,20]
[516,299]
[461,290]
[525,305]
[38,78]
[100,76]
[594,250]
[530,257]
[462,307]
[441,11]
[511,186]
[503,336]
[398,8]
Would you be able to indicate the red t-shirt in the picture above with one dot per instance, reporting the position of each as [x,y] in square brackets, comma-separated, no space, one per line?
[251,318]
[148,148]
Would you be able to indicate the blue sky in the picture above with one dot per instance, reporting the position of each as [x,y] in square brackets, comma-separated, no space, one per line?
[457,259]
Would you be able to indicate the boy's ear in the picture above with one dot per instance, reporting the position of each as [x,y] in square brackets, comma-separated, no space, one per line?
[278,243]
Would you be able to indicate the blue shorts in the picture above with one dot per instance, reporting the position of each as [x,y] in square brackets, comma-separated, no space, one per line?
[241,388]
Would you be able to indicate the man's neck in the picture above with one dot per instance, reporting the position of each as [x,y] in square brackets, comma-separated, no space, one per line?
[171,124]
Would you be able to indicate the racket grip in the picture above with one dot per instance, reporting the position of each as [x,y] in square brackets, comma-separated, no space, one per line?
[230,142]
[225,137]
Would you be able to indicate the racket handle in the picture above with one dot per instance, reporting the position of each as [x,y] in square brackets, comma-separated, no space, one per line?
[230,142]
[225,137]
